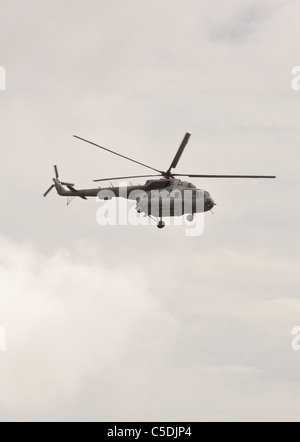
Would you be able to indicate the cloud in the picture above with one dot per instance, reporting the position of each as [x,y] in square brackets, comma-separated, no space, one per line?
[67,321]
[235,22]
[92,338]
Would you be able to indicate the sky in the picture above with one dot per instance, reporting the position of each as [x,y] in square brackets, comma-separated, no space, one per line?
[124,323]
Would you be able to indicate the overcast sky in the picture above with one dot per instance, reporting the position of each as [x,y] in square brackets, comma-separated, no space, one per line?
[133,323]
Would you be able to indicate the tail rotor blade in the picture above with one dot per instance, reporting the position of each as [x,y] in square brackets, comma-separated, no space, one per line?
[49,190]
[56,172]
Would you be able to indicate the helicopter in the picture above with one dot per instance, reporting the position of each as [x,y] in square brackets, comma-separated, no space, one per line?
[166,196]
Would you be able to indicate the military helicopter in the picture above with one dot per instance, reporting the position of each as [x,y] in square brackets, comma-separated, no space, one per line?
[159,198]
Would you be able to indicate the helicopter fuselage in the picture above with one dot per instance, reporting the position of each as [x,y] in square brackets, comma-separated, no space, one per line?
[163,197]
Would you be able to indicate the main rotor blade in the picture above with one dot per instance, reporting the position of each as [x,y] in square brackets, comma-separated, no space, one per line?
[49,190]
[118,154]
[179,152]
[124,178]
[225,176]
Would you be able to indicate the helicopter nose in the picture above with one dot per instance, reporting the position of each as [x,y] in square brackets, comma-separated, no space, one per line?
[210,203]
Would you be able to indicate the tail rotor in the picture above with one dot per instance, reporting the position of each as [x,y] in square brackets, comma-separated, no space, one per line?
[57,182]
[49,190]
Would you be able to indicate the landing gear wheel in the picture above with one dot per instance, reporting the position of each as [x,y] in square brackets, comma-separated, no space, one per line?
[190,218]
[161,224]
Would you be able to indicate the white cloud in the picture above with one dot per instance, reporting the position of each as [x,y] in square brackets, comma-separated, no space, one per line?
[90,338]
[67,321]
